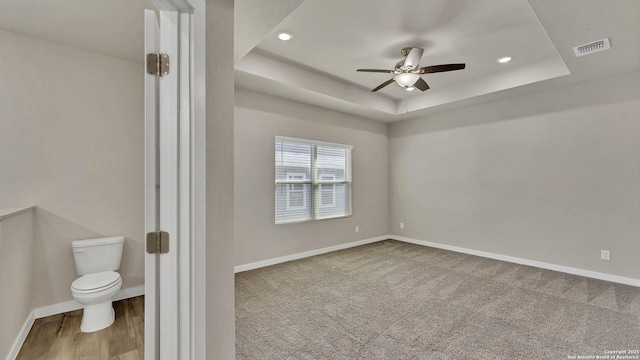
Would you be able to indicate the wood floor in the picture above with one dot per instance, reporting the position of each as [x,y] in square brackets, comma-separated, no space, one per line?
[59,336]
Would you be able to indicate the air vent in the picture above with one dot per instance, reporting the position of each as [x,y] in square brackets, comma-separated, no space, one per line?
[592,47]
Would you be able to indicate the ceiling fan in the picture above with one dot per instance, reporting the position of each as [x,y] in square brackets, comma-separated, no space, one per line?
[407,73]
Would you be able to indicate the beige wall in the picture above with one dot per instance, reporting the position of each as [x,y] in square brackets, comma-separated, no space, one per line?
[16,243]
[258,119]
[220,328]
[72,144]
[551,176]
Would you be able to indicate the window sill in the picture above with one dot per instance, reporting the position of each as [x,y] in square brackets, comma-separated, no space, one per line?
[312,220]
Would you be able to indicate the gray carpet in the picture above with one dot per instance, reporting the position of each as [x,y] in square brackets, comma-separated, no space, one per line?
[392,300]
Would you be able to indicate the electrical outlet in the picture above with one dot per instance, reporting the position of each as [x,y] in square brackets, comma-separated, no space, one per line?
[357,228]
[401,225]
[605,255]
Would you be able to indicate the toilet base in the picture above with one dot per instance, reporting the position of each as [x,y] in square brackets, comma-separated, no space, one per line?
[97,317]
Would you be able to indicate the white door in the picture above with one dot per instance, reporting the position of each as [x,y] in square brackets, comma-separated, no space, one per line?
[171,187]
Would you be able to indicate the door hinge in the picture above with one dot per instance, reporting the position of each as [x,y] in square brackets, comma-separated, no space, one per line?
[158,64]
[158,242]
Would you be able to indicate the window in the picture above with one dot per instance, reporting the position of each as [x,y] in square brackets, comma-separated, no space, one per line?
[313,180]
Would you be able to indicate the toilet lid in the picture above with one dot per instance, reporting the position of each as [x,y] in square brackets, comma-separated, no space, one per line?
[96,281]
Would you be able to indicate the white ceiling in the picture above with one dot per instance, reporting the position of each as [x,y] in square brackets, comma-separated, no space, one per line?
[333,38]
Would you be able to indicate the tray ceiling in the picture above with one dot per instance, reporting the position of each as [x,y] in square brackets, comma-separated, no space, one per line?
[333,38]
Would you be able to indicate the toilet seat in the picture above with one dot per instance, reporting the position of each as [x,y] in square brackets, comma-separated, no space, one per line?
[92,283]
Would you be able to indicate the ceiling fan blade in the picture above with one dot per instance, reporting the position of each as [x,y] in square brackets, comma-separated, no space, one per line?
[413,58]
[421,84]
[376,70]
[383,85]
[441,68]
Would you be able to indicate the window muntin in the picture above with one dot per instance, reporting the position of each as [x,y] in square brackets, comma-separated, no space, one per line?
[313,180]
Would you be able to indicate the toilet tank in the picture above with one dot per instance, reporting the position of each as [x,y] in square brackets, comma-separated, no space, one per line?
[96,255]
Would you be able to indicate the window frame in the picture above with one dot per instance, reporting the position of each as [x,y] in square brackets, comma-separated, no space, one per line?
[315,181]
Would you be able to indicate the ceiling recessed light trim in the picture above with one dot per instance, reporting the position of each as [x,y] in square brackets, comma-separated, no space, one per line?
[284,35]
[504,59]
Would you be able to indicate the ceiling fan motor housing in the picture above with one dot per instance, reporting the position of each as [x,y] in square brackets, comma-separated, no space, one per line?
[412,61]
[407,71]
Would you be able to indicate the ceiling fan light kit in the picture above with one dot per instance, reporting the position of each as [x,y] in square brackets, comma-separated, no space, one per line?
[407,73]
[406,79]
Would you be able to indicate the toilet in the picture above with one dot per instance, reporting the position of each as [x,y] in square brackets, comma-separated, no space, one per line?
[96,263]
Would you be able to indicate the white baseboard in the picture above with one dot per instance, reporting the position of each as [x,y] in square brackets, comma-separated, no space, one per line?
[72,305]
[516,260]
[302,255]
[511,259]
[59,308]
[22,336]
[129,292]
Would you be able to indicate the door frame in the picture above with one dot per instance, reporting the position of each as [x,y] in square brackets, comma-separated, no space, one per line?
[182,273]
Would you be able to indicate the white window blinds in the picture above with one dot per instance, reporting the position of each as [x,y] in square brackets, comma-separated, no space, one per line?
[313,180]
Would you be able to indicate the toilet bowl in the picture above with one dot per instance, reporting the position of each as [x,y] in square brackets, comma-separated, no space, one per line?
[95,292]
[96,261]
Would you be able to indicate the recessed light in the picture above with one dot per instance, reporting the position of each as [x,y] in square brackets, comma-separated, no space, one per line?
[504,59]
[410,88]
[285,35]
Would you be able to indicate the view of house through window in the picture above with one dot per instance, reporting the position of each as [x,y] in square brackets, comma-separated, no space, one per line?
[313,180]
